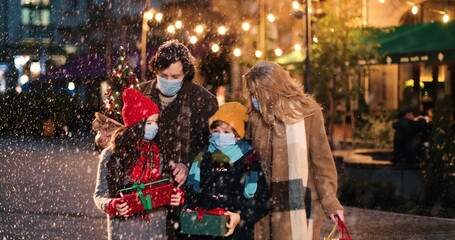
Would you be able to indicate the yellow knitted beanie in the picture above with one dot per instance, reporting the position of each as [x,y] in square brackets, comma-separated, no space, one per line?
[234,114]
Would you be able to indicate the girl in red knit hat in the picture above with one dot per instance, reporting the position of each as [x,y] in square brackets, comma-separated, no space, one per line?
[133,159]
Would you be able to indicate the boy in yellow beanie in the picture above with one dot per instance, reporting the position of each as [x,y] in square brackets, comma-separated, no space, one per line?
[227,175]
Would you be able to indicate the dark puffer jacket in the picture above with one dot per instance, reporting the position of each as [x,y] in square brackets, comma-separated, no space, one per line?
[222,186]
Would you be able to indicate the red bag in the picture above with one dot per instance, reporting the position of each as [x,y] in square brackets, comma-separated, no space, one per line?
[341,228]
[150,195]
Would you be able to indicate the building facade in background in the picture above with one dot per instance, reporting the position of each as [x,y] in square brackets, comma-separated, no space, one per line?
[43,40]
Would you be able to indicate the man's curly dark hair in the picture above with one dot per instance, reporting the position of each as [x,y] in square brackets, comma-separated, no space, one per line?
[171,52]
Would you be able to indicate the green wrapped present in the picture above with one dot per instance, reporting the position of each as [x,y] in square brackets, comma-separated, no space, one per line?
[203,222]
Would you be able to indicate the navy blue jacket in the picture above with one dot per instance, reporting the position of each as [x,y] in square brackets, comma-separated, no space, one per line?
[222,186]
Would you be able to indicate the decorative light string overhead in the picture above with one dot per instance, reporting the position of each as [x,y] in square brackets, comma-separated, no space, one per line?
[178,25]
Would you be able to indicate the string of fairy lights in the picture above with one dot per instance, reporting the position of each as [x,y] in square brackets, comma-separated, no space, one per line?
[172,28]
[193,38]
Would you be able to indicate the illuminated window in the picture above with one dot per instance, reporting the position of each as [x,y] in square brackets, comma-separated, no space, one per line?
[35,12]
[45,17]
[25,16]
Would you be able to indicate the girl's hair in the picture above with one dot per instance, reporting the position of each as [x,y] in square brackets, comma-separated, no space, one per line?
[171,52]
[281,98]
[124,155]
[218,123]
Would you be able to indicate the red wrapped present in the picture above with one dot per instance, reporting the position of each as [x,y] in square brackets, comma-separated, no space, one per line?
[149,196]
[204,222]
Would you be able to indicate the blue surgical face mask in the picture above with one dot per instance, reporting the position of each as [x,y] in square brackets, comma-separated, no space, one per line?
[169,87]
[222,140]
[255,103]
[150,131]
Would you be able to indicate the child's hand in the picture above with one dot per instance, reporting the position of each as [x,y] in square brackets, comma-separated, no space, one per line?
[177,198]
[122,209]
[234,220]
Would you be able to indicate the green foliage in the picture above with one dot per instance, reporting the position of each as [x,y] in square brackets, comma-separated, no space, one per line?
[439,158]
[374,130]
[335,57]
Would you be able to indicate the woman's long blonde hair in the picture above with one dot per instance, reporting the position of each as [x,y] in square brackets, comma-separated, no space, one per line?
[280,97]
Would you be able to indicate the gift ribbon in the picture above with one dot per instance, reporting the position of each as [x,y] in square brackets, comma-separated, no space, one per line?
[215,211]
[146,201]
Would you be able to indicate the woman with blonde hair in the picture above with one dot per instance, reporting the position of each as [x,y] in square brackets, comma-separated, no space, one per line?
[300,171]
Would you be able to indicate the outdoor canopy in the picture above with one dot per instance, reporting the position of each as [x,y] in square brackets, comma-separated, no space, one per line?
[426,42]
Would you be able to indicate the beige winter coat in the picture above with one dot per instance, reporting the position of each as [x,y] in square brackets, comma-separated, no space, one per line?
[322,179]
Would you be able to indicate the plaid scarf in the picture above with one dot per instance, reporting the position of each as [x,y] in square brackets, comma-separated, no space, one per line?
[147,167]
[284,159]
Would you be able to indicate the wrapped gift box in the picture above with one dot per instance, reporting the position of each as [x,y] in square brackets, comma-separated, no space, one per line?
[148,196]
[203,224]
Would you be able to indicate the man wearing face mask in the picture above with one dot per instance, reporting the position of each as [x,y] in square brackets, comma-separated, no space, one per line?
[185,108]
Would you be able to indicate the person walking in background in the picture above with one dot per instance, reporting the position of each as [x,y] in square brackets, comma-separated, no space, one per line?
[104,128]
[407,140]
[132,158]
[227,174]
[185,111]
[287,130]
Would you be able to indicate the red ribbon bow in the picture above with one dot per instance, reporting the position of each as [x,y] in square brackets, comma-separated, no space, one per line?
[215,211]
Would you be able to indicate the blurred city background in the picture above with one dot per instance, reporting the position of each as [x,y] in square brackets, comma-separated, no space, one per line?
[365,61]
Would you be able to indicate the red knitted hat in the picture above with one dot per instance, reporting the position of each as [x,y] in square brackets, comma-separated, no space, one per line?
[136,107]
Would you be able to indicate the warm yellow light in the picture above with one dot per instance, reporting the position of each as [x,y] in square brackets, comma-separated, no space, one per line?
[246,26]
[193,39]
[258,53]
[222,30]
[295,5]
[315,39]
[297,47]
[178,24]
[23,79]
[199,29]
[271,17]
[215,48]
[278,52]
[148,15]
[414,10]
[159,17]
[35,68]
[382,1]
[445,18]
[71,86]
[171,29]
[237,52]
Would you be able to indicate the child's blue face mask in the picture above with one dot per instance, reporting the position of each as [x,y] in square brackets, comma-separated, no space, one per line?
[150,131]
[222,140]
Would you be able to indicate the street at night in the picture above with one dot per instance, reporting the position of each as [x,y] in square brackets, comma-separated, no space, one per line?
[47,186]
